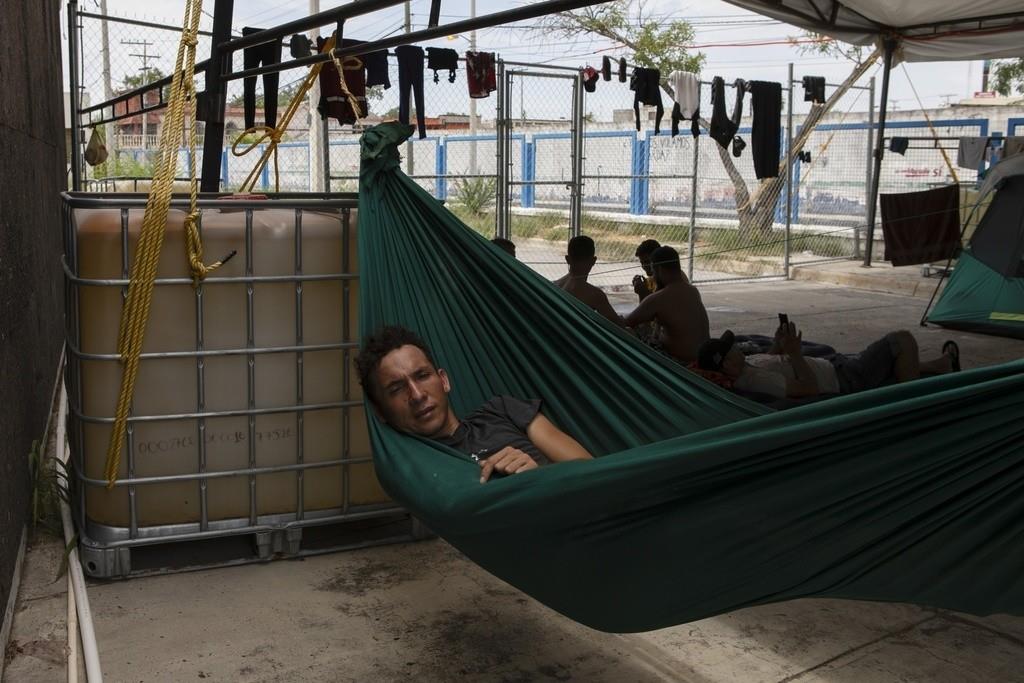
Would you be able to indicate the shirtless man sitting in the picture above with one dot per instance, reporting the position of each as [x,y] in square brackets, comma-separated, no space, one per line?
[581,259]
[676,305]
[410,393]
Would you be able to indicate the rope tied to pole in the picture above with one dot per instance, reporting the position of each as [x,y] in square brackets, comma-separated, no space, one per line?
[136,309]
[272,136]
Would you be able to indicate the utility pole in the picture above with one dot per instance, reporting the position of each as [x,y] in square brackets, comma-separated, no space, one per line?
[317,139]
[145,57]
[410,161]
[472,100]
[108,89]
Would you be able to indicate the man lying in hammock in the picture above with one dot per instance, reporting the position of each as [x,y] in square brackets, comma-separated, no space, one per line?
[410,393]
[785,372]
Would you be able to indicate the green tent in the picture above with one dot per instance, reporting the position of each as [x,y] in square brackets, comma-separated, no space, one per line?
[698,502]
[986,290]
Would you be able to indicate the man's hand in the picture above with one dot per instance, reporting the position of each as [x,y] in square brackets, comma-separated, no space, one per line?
[508,460]
[640,285]
[789,339]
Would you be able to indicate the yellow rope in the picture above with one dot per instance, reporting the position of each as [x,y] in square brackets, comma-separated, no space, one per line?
[274,135]
[135,314]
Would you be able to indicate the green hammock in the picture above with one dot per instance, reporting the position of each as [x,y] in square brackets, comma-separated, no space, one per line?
[699,502]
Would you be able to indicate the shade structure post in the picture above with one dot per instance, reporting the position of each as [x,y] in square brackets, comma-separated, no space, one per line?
[890,47]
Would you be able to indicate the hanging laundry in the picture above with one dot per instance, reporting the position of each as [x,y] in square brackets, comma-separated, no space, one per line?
[814,89]
[738,145]
[723,129]
[590,75]
[686,89]
[899,145]
[606,68]
[252,57]
[622,69]
[646,87]
[300,46]
[376,63]
[993,154]
[410,78]
[921,227]
[1012,146]
[441,58]
[342,97]
[766,128]
[480,74]
[971,152]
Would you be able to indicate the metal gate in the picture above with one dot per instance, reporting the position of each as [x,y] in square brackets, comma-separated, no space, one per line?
[539,162]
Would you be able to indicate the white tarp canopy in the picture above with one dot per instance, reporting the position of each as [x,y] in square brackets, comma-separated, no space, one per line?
[928,30]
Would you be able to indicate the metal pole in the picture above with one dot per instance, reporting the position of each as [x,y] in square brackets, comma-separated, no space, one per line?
[867,166]
[890,47]
[325,133]
[108,89]
[410,158]
[500,227]
[319,176]
[75,104]
[473,125]
[506,156]
[576,190]
[789,171]
[216,95]
[692,237]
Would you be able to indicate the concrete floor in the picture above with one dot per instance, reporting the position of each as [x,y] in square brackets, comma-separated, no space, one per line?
[422,612]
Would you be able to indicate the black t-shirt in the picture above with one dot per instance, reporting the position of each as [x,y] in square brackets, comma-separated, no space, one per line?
[500,422]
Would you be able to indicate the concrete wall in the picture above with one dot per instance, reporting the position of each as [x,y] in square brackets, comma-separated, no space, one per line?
[32,173]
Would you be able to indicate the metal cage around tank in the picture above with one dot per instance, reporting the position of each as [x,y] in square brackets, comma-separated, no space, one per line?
[247,419]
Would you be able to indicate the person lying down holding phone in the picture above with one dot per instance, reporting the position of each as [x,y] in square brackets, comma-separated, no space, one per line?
[785,372]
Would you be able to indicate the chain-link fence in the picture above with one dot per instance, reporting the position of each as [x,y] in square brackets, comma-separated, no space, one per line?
[830,179]
[540,119]
[553,161]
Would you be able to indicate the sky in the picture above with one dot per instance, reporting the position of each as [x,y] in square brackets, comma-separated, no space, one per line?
[721,32]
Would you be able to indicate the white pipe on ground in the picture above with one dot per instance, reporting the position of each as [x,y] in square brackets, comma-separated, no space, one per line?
[93,672]
[73,652]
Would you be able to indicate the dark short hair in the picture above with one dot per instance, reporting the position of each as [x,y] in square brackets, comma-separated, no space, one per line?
[381,343]
[665,257]
[646,247]
[712,352]
[581,247]
[508,245]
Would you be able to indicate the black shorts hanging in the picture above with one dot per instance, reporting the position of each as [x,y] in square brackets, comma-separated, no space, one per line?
[440,59]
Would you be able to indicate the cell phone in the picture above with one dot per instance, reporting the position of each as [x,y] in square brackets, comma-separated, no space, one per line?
[783,319]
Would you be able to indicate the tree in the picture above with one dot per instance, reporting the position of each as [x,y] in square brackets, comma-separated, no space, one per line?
[811,44]
[1008,77]
[284,97]
[654,42]
[143,77]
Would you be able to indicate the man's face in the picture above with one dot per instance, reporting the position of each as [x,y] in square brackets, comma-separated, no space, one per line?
[645,263]
[412,395]
[732,364]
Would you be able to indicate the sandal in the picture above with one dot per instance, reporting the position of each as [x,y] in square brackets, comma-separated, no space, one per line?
[951,349]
